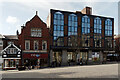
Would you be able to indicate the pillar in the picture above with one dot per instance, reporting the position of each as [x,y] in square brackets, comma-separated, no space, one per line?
[101,57]
[90,57]
[51,56]
[64,58]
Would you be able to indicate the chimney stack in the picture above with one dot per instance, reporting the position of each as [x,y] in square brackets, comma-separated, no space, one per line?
[87,10]
[36,12]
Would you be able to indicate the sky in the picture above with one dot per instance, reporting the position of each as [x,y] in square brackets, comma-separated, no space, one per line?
[15,14]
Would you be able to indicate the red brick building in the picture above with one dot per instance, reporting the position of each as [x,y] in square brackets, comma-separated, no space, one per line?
[80,35]
[34,42]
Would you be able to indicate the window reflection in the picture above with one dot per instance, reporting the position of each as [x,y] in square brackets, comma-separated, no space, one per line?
[85,31]
[108,27]
[58,30]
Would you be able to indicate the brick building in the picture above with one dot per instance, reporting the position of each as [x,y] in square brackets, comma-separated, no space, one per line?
[79,35]
[11,54]
[34,42]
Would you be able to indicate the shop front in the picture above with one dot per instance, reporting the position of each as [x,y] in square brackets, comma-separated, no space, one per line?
[35,60]
[11,63]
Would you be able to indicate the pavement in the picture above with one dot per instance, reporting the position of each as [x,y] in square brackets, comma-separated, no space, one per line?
[88,71]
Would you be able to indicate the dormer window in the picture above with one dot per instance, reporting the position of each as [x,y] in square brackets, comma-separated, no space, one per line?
[36,32]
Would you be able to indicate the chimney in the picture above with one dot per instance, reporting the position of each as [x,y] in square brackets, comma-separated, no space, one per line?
[36,12]
[87,10]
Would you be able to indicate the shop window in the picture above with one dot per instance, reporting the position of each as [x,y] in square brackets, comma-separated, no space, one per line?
[44,45]
[27,45]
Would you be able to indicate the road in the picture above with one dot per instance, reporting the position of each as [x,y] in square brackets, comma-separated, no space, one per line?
[89,71]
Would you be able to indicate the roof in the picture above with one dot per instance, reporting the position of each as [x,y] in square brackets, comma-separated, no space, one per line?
[11,36]
[117,36]
[1,36]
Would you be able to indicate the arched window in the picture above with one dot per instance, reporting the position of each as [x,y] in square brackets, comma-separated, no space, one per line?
[58,29]
[85,31]
[97,32]
[85,25]
[108,27]
[72,24]
[97,25]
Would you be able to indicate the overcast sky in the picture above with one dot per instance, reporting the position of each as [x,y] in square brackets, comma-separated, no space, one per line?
[14,14]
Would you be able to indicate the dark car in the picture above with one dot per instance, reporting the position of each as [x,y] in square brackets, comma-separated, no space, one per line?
[20,68]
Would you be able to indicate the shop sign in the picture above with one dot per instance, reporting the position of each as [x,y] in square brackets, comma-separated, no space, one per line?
[35,55]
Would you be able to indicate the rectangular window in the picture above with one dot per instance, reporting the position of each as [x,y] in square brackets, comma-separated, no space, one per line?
[10,42]
[35,45]
[44,45]
[36,32]
[1,43]
[27,45]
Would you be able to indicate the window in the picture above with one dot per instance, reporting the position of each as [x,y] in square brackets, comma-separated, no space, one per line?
[108,42]
[72,25]
[27,45]
[97,25]
[11,51]
[108,27]
[36,32]
[44,45]
[97,32]
[85,25]
[1,43]
[58,29]
[10,42]
[35,45]
[85,31]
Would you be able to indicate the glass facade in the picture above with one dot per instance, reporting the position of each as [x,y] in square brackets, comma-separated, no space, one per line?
[72,30]
[85,31]
[58,29]
[97,32]
[108,27]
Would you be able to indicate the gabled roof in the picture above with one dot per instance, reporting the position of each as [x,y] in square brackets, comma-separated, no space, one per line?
[10,46]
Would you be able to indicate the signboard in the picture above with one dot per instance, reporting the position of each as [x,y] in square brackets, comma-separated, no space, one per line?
[35,55]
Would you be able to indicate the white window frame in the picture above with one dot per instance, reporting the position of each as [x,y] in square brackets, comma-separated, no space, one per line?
[28,44]
[45,45]
[36,32]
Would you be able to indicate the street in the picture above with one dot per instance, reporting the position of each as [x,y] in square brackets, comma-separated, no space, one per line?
[86,71]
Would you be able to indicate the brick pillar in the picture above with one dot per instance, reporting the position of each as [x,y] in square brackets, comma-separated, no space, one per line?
[91,32]
[64,58]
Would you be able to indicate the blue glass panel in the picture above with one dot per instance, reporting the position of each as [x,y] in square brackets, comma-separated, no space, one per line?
[88,30]
[88,25]
[55,22]
[62,17]
[88,20]
[54,33]
[75,23]
[83,19]
[95,21]
[95,31]
[75,18]
[54,16]
[83,30]
[58,28]
[62,28]
[76,29]
[72,28]
[62,34]
[62,22]
[55,28]
[72,18]
[82,24]
[72,23]
[100,22]
[58,16]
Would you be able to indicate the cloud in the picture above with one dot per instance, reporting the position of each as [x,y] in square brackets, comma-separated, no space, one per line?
[11,20]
